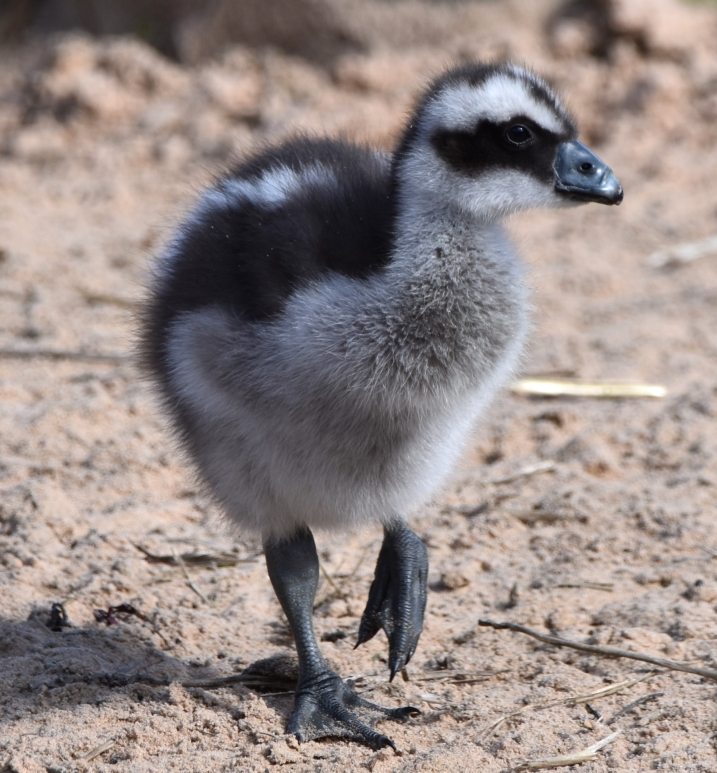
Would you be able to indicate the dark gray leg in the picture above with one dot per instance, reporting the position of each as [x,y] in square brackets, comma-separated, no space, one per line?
[325,705]
[397,599]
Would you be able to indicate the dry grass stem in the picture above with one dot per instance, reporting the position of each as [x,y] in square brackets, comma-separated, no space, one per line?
[525,472]
[190,582]
[460,678]
[101,749]
[551,387]
[610,652]
[709,551]
[447,677]
[634,704]
[330,580]
[61,354]
[362,558]
[338,590]
[606,586]
[431,699]
[573,700]
[264,682]
[574,758]
[683,253]
[209,560]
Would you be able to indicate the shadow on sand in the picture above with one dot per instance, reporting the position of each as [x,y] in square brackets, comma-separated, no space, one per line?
[42,669]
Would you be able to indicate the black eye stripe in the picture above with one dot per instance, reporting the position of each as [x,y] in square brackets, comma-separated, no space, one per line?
[486,147]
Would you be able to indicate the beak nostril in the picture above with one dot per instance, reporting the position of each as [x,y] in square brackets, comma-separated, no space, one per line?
[582,176]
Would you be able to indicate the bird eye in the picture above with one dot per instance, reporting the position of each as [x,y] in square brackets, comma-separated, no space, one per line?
[518,134]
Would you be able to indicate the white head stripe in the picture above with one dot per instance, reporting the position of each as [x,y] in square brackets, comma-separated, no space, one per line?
[498,99]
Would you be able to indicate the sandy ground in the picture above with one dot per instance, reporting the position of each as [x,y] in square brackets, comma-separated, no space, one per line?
[104,144]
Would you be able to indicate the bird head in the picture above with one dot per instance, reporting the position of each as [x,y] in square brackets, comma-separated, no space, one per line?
[496,139]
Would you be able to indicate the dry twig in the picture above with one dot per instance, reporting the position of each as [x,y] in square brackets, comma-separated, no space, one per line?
[607,586]
[190,582]
[594,649]
[209,560]
[362,557]
[460,678]
[557,387]
[574,758]
[341,594]
[525,472]
[571,701]
[339,590]
[630,706]
[683,253]
[101,749]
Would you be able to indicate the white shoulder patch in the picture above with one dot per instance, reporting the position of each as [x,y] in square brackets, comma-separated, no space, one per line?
[498,99]
[272,189]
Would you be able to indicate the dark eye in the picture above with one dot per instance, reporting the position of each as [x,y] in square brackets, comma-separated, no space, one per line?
[518,134]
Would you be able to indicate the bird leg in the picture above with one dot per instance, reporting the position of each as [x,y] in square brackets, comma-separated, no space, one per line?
[325,705]
[397,599]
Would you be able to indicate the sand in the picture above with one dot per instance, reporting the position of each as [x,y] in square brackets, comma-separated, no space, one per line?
[103,145]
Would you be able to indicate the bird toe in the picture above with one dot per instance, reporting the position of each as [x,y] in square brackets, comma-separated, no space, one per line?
[333,710]
[397,599]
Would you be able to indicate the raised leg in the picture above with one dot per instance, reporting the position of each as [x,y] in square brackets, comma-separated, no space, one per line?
[397,599]
[325,705]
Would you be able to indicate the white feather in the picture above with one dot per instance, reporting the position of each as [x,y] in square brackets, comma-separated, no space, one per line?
[271,189]
[499,99]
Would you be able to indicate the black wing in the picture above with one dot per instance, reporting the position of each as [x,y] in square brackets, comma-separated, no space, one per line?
[248,255]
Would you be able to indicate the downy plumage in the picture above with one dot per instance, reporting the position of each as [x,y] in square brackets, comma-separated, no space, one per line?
[329,323]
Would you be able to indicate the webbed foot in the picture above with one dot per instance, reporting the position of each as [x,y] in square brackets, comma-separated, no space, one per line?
[325,705]
[329,708]
[397,599]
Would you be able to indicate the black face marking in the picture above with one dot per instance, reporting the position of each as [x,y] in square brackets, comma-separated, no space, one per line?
[519,144]
[476,74]
[249,257]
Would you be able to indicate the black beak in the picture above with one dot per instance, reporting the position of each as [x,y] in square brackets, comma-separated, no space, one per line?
[582,176]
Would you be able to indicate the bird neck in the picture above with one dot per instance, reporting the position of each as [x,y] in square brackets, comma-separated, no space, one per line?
[428,219]
[452,303]
[432,205]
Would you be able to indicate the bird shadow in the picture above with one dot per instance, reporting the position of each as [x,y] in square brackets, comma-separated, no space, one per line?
[42,668]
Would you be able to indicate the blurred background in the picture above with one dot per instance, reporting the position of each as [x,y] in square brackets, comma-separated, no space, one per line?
[212,72]
[113,115]
[126,106]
